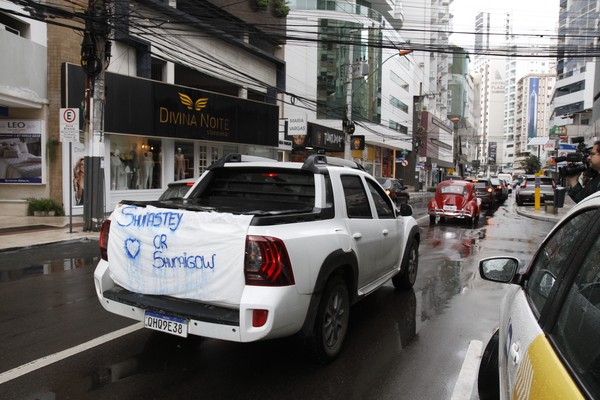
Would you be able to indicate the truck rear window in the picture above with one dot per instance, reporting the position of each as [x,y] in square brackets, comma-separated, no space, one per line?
[257,190]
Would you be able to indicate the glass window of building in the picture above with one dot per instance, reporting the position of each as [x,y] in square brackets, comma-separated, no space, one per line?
[135,163]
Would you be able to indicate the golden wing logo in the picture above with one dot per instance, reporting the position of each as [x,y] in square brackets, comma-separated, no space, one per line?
[190,104]
[200,103]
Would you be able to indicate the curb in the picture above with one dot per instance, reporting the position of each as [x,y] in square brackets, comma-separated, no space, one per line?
[540,217]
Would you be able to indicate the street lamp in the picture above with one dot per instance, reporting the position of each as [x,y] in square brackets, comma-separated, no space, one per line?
[347,123]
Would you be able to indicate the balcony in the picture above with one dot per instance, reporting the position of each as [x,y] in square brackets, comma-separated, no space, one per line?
[338,6]
[24,77]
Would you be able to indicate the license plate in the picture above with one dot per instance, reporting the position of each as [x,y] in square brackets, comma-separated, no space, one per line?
[450,208]
[165,323]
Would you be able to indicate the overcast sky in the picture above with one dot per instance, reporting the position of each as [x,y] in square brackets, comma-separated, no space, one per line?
[529,16]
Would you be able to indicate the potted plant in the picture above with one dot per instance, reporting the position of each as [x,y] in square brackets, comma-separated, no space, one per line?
[44,206]
[281,8]
[262,4]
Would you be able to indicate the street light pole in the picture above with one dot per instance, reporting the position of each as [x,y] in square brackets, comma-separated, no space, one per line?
[348,124]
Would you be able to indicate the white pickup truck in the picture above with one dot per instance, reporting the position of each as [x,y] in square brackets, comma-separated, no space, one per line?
[258,249]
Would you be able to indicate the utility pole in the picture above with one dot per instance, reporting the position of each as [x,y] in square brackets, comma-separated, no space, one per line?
[95,54]
[347,123]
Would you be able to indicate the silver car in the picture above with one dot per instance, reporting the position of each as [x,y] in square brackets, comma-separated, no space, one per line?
[526,190]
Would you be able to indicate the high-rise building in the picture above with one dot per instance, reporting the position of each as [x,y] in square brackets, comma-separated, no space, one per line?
[532,118]
[575,69]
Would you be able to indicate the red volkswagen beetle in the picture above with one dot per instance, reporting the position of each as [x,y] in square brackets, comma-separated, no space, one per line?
[455,199]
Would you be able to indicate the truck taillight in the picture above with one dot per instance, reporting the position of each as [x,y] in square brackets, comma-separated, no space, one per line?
[267,262]
[104,239]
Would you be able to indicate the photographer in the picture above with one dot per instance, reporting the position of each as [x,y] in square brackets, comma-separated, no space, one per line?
[591,182]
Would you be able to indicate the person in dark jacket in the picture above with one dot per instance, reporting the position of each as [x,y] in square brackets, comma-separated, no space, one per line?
[577,191]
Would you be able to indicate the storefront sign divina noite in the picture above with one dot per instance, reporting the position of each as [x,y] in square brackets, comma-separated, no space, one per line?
[145,107]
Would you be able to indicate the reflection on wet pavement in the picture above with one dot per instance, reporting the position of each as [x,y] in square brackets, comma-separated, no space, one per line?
[45,260]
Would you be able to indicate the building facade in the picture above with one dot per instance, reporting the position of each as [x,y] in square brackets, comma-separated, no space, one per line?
[174,103]
[573,98]
[24,105]
[533,118]
[350,76]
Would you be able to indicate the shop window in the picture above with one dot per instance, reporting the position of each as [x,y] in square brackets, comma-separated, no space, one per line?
[135,163]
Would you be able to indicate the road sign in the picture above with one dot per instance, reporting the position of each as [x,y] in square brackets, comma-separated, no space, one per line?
[69,125]
[404,163]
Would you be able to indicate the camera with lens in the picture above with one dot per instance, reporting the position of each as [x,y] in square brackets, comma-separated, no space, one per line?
[577,162]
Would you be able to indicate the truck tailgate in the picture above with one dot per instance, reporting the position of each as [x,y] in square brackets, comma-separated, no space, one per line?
[178,253]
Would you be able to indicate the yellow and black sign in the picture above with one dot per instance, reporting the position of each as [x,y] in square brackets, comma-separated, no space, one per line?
[357,142]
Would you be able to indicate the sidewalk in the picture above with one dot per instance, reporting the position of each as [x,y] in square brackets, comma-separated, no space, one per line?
[543,215]
[20,232]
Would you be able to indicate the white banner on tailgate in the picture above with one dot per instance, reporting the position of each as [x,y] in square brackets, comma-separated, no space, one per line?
[179,253]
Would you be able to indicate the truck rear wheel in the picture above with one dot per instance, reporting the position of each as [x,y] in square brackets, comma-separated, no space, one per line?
[331,323]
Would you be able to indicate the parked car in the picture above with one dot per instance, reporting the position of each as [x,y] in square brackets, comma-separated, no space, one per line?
[455,200]
[500,189]
[484,190]
[508,179]
[395,189]
[526,190]
[546,345]
[177,189]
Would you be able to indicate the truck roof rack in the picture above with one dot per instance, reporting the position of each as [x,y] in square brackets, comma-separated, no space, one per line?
[237,157]
[314,162]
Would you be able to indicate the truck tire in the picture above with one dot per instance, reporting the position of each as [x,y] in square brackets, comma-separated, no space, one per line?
[406,278]
[519,201]
[331,323]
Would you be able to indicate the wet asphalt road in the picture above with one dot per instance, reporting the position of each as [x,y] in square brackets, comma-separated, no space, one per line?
[400,345]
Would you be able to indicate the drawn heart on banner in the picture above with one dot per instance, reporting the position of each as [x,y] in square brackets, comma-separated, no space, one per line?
[132,247]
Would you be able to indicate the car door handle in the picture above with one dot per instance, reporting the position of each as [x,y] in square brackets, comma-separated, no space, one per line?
[385,232]
[514,353]
[357,235]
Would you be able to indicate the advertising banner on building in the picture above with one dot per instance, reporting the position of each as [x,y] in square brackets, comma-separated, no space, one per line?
[492,148]
[73,175]
[320,137]
[532,115]
[21,151]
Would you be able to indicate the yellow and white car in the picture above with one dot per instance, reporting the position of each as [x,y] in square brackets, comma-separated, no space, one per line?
[548,342]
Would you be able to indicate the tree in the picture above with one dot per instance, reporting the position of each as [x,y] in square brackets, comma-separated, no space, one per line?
[531,164]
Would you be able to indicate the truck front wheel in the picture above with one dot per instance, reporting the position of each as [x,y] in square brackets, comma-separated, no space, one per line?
[331,324]
[406,278]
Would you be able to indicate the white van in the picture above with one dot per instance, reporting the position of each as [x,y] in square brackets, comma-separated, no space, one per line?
[508,179]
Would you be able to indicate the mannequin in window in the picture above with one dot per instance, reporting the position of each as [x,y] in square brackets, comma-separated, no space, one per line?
[148,167]
[115,169]
[135,167]
[179,165]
